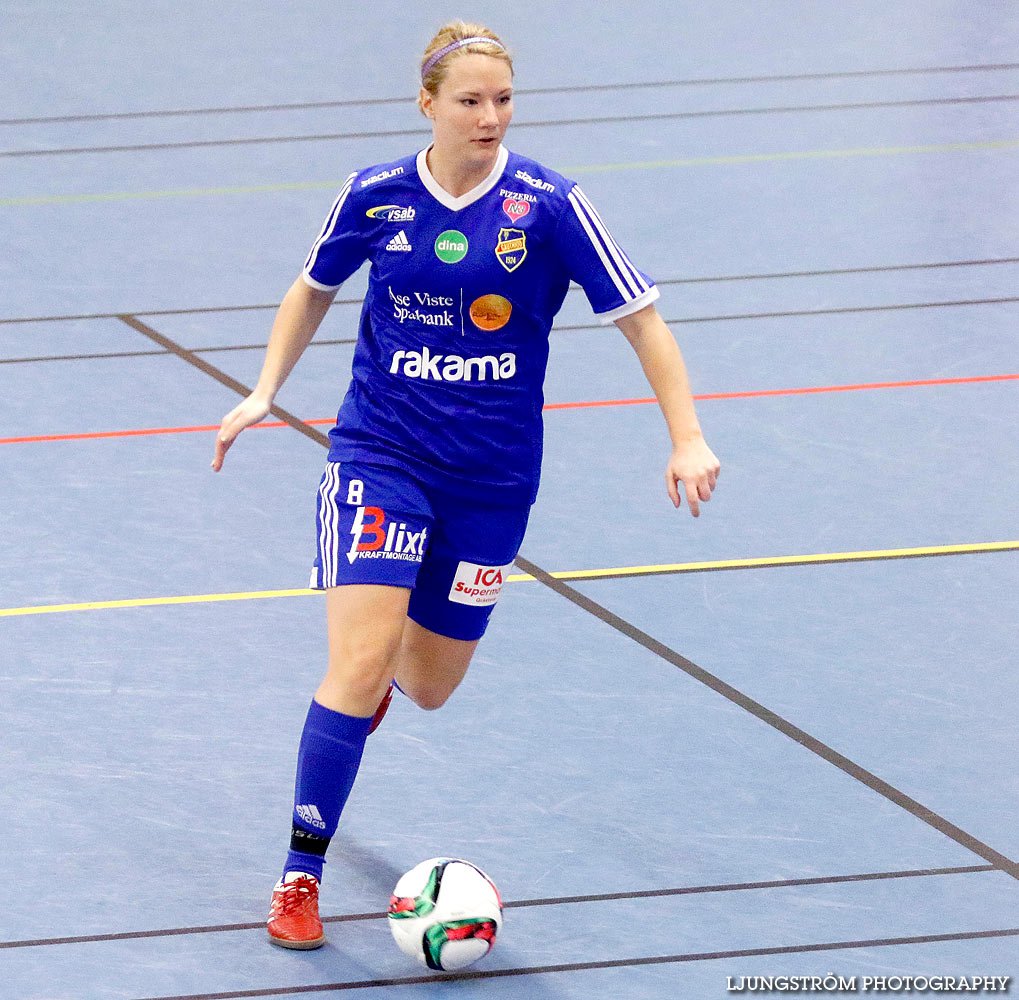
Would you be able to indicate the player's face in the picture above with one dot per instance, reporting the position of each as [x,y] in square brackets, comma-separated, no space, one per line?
[473,108]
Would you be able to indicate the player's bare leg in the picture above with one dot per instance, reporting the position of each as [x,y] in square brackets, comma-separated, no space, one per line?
[366,626]
[429,666]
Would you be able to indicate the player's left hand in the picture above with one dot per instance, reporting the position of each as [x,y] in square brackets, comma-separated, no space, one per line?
[694,465]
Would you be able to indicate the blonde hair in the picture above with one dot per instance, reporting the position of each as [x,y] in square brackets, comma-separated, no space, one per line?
[456,31]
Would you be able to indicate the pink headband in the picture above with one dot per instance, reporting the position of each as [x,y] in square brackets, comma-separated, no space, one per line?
[452,47]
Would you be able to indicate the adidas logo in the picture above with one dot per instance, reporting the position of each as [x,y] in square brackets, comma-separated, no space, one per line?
[310,814]
[399,242]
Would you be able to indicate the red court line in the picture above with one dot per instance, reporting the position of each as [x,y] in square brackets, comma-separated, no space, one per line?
[92,435]
[208,428]
[798,392]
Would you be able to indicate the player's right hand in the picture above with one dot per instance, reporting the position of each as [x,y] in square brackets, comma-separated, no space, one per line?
[251,411]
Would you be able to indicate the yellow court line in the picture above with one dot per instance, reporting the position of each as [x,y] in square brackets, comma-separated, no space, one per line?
[759,563]
[701,161]
[148,602]
[582,574]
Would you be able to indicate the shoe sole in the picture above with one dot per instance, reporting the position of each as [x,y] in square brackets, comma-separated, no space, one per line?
[297,945]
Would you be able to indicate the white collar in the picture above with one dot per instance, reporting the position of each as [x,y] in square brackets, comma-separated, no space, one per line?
[441,195]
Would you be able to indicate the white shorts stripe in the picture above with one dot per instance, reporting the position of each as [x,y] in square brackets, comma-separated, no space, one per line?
[626,268]
[334,522]
[328,516]
[330,223]
[323,492]
[324,547]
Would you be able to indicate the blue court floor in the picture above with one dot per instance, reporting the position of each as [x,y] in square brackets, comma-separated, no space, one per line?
[779,740]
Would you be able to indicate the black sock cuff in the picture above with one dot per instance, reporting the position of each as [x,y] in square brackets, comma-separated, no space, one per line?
[305,842]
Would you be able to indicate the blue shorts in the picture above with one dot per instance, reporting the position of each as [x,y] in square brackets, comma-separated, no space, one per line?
[379,524]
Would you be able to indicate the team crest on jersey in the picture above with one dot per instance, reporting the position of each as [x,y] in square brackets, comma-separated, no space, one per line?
[516,208]
[511,248]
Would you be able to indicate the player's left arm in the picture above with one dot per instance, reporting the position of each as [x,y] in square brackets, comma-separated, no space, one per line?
[692,462]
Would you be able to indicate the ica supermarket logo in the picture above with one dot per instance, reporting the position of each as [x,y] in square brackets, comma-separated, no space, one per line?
[477,585]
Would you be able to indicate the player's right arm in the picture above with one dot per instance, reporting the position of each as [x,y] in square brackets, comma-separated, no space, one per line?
[300,314]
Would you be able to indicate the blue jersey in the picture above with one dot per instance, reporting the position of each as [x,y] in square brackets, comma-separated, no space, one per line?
[453,338]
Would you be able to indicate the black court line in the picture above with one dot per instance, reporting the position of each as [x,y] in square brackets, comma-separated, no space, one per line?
[873,269]
[545,123]
[620,963]
[839,310]
[995,859]
[221,376]
[582,88]
[716,684]
[571,328]
[786,314]
[98,356]
[724,318]
[814,745]
[194,311]
[519,904]
[104,355]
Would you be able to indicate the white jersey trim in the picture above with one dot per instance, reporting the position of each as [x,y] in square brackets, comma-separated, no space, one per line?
[624,275]
[441,195]
[629,308]
[309,280]
[327,231]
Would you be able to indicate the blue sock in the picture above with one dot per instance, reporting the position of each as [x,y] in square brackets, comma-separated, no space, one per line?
[327,763]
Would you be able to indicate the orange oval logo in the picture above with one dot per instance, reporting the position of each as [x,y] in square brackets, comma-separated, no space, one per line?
[491,312]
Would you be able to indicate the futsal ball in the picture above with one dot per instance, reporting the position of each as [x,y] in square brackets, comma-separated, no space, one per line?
[445,913]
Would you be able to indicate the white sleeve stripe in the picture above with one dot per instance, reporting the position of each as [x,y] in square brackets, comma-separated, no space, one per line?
[330,223]
[612,272]
[607,241]
[629,273]
[623,266]
[620,257]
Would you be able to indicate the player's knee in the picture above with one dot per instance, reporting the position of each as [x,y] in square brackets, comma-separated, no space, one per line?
[363,667]
[431,700]
[427,696]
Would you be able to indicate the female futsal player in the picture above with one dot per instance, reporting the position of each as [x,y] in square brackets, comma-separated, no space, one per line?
[435,456]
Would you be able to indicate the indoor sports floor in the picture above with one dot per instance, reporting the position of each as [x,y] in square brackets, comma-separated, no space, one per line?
[777,740]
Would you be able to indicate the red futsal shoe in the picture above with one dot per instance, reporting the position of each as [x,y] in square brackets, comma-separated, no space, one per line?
[293,913]
[380,712]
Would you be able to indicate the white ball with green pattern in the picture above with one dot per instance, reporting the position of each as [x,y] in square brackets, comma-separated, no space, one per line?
[446,913]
